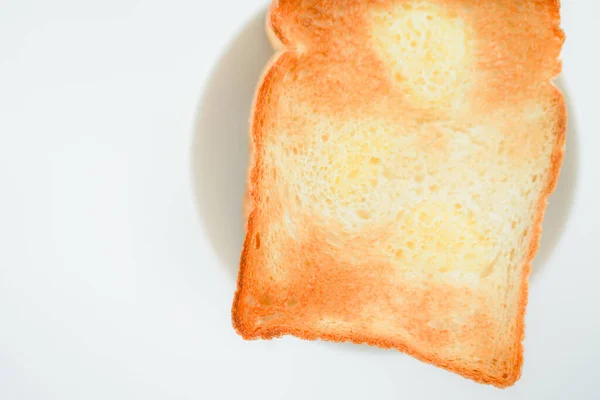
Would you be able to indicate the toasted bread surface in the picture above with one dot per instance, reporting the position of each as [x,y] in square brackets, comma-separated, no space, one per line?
[403,154]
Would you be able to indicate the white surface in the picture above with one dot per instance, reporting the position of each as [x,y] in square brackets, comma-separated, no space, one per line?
[122,161]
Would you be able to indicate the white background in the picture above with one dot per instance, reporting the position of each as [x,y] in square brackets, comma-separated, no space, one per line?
[122,164]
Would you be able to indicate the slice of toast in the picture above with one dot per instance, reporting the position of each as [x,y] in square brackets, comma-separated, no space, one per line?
[403,153]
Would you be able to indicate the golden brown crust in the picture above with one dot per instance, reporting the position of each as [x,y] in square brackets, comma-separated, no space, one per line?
[280,17]
[557,159]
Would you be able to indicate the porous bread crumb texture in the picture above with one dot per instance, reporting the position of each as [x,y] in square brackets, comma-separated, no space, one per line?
[403,152]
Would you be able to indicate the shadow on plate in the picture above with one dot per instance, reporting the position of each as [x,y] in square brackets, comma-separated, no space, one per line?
[221,143]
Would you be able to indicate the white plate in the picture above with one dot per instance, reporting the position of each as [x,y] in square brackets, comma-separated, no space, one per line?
[123,151]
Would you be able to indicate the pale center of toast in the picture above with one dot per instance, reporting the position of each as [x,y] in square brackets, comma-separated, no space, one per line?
[426,51]
[397,184]
[444,237]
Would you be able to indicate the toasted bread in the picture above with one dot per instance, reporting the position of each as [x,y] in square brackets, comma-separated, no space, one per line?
[403,154]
